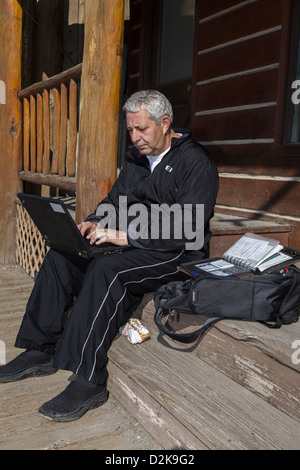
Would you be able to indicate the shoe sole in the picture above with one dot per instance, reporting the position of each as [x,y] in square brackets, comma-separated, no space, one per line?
[90,404]
[39,371]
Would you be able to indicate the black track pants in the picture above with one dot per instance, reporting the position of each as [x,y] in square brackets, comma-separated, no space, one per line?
[107,289]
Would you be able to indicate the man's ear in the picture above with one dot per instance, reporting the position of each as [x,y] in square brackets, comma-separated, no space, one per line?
[166,123]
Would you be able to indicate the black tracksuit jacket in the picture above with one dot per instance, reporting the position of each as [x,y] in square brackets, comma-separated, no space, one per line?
[186,175]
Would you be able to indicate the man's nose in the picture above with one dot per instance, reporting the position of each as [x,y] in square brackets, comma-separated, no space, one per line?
[135,136]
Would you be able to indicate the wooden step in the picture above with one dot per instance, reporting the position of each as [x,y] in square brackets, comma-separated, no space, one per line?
[237,388]
[228,228]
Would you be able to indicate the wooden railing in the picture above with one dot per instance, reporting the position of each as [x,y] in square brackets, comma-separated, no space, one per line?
[50,130]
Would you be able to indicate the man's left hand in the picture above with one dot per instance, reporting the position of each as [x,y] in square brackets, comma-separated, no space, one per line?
[101,235]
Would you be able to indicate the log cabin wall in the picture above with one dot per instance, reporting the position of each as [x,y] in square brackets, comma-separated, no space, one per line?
[239,82]
[240,62]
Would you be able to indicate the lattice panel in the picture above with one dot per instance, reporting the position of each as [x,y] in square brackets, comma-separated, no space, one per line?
[31,248]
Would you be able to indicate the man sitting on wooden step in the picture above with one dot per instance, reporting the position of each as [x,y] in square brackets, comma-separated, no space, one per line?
[167,177]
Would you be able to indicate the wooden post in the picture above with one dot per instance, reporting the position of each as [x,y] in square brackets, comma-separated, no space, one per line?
[10,123]
[99,103]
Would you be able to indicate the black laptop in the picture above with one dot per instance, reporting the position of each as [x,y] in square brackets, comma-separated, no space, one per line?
[58,228]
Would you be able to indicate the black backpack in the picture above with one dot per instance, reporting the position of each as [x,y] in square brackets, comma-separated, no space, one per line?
[273,299]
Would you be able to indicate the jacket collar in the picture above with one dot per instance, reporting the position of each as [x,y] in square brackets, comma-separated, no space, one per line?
[185,135]
[175,142]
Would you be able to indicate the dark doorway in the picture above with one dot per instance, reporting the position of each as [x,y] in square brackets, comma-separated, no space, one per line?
[168,53]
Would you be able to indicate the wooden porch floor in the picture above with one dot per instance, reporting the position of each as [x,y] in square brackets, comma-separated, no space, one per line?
[109,427]
[236,389]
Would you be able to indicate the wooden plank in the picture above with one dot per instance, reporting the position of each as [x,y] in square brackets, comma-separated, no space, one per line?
[160,423]
[230,224]
[235,24]
[274,343]
[256,157]
[261,51]
[259,87]
[210,405]
[241,124]
[72,137]
[254,356]
[273,376]
[207,9]
[265,195]
[62,182]
[39,133]
[32,133]
[295,236]
[100,85]
[52,82]
[56,131]
[26,134]
[46,129]
[63,129]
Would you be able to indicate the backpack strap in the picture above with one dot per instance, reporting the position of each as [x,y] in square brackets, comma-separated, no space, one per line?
[182,337]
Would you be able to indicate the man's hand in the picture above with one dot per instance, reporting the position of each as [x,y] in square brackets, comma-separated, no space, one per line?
[97,235]
[87,228]
[104,235]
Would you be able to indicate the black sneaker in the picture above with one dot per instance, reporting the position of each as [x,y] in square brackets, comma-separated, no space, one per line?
[74,402]
[27,364]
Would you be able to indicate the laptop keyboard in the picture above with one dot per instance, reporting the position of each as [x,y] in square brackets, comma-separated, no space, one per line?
[106,248]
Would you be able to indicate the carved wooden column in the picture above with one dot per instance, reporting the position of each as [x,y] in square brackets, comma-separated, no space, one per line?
[10,122]
[99,105]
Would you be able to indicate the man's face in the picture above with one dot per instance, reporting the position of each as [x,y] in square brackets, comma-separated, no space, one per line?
[145,135]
